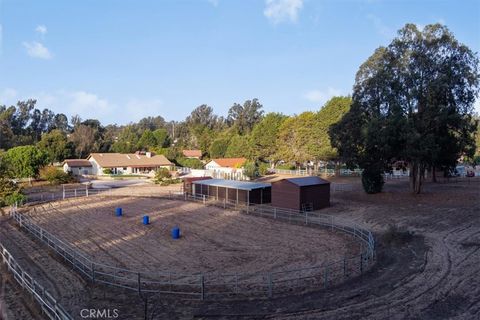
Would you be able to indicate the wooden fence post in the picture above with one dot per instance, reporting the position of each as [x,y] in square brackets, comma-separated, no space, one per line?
[139,284]
[325,278]
[73,260]
[270,285]
[202,287]
[361,263]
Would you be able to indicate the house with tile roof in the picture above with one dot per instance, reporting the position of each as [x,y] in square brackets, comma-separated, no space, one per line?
[141,163]
[194,154]
[227,168]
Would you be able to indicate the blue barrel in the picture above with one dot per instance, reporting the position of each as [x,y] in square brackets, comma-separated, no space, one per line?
[118,212]
[146,220]
[176,233]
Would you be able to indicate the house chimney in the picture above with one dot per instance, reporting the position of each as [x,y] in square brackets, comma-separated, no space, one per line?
[148,154]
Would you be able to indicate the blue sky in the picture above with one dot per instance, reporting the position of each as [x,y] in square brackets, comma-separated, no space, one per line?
[121,60]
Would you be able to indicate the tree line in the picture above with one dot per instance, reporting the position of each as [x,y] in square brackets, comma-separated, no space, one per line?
[265,139]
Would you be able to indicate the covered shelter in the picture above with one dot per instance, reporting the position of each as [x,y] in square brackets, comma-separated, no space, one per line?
[233,191]
[188,183]
[302,193]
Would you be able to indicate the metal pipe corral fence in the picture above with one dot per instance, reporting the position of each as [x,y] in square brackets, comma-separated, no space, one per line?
[221,286]
[49,305]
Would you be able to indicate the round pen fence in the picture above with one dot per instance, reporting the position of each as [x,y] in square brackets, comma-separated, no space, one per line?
[223,286]
[49,305]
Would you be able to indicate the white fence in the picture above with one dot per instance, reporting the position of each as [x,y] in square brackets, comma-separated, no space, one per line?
[49,305]
[63,194]
[223,286]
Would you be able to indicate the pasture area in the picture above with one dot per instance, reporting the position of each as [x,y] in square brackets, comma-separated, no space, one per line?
[213,240]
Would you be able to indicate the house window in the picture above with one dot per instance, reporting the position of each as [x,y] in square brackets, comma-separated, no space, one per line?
[124,169]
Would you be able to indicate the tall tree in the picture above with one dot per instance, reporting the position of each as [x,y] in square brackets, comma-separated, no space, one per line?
[162,140]
[412,101]
[60,122]
[239,146]
[244,117]
[332,112]
[83,137]
[202,116]
[147,140]
[55,145]
[127,140]
[295,138]
[264,138]
[218,148]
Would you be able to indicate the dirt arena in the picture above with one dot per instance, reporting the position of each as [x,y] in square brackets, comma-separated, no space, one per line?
[213,240]
[432,274]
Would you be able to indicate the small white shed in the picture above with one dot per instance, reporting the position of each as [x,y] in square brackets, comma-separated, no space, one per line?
[77,167]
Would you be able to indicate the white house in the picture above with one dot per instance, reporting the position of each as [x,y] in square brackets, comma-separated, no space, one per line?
[128,163]
[77,167]
[227,168]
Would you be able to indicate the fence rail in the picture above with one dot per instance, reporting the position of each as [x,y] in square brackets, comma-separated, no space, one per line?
[49,305]
[223,286]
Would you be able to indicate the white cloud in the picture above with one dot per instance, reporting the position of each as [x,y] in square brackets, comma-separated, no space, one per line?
[476,106]
[320,97]
[90,105]
[42,29]
[84,102]
[37,50]
[282,10]
[381,27]
[214,2]
[7,96]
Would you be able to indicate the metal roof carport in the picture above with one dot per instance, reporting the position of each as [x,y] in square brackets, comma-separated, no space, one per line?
[234,191]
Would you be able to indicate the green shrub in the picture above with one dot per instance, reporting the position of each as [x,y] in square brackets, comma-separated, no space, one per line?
[189,163]
[285,166]
[372,180]
[250,170]
[161,175]
[54,175]
[10,192]
[107,171]
[16,197]
[263,168]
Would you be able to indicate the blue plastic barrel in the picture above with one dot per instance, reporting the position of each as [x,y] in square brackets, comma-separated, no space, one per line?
[176,233]
[146,220]
[118,212]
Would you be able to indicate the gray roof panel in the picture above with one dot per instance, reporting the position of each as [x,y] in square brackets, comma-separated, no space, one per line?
[307,181]
[233,184]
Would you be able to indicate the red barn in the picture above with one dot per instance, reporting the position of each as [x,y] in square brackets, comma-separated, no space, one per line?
[303,193]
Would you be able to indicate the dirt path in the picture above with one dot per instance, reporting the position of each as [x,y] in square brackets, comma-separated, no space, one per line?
[432,276]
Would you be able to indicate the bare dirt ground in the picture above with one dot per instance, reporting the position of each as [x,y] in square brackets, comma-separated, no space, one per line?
[431,274]
[213,240]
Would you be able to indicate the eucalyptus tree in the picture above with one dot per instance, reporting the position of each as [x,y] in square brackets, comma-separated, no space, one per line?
[413,101]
